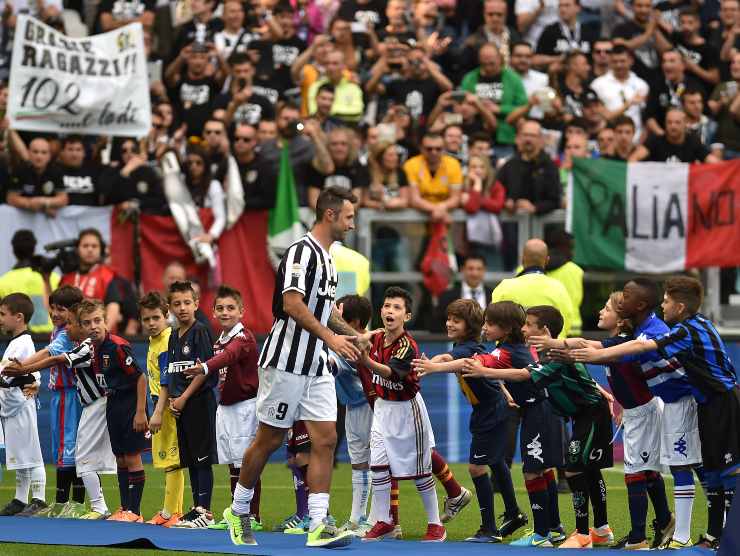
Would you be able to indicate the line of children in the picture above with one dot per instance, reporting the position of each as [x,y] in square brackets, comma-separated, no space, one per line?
[695,344]
[641,421]
[574,394]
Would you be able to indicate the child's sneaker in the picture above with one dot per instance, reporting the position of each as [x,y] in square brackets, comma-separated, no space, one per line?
[288,523]
[13,507]
[117,515]
[197,518]
[532,539]
[301,527]
[453,506]
[73,510]
[577,540]
[358,529]
[603,536]
[557,535]
[95,515]
[240,529]
[381,530]
[131,517]
[33,508]
[159,519]
[485,536]
[510,524]
[678,545]
[435,533]
[397,533]
[50,511]
[174,520]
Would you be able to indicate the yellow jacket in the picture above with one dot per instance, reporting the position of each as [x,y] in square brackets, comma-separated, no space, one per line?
[535,288]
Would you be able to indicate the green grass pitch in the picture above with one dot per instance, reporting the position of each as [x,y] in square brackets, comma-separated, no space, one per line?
[277,502]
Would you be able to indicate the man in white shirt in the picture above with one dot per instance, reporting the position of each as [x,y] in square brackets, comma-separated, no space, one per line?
[522,54]
[532,16]
[621,91]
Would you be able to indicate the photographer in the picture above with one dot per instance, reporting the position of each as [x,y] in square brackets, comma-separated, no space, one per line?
[307,146]
[31,277]
[93,277]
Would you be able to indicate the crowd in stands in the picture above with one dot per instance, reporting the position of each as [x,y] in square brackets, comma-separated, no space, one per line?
[422,104]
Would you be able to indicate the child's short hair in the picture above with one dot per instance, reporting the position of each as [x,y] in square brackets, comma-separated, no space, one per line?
[19,303]
[181,287]
[227,291]
[650,289]
[470,312]
[66,296]
[154,300]
[507,314]
[395,291]
[356,307]
[686,290]
[88,306]
[549,316]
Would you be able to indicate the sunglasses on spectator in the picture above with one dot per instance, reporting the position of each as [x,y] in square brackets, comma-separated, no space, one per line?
[433,149]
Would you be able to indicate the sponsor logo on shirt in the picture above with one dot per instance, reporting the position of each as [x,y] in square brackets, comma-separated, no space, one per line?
[385,383]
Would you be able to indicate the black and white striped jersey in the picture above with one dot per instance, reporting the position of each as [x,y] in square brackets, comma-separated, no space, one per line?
[82,360]
[306,268]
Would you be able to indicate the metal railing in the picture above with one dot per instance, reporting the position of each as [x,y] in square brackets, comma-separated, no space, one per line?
[527,227]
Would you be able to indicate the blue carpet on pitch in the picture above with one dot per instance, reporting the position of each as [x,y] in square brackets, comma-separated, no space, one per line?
[77,532]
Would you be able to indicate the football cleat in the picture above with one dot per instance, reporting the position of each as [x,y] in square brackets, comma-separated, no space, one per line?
[240,527]
[532,540]
[326,535]
[453,506]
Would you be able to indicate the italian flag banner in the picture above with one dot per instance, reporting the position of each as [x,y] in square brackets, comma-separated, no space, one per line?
[654,217]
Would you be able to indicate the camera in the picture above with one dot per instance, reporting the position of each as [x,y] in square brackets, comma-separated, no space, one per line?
[458,96]
[65,258]
[294,127]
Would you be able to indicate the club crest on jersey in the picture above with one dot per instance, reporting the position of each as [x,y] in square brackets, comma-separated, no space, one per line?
[186,349]
[106,361]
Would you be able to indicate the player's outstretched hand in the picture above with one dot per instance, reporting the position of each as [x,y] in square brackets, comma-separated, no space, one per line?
[585,354]
[543,341]
[155,423]
[472,368]
[140,424]
[195,370]
[423,366]
[345,346]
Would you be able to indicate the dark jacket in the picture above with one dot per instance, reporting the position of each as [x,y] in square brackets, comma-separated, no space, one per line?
[537,181]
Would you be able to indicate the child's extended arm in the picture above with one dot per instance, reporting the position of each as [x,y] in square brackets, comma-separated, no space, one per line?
[36,357]
[21,368]
[140,423]
[430,366]
[474,368]
[545,342]
[614,353]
